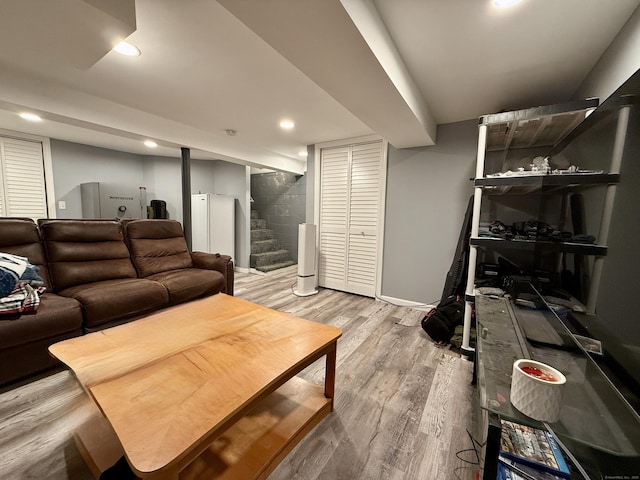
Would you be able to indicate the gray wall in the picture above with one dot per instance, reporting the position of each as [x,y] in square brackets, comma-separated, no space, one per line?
[75,163]
[428,190]
[619,62]
[309,177]
[162,177]
[280,199]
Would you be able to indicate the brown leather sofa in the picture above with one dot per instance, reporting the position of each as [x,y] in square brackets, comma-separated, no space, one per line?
[99,273]
[24,339]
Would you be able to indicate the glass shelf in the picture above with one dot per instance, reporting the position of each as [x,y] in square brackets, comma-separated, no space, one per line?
[595,424]
[526,184]
[533,127]
[539,246]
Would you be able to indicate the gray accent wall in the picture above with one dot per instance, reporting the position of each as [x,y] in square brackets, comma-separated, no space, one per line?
[428,190]
[280,199]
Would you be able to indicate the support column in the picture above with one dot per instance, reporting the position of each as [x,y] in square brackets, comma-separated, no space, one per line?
[186,194]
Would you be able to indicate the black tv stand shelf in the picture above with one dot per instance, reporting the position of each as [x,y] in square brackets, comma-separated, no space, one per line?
[598,430]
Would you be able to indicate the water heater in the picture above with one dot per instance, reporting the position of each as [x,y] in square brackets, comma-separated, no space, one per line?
[114,201]
[306,260]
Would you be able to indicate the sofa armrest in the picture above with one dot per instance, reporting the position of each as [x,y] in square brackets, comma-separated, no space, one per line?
[215,261]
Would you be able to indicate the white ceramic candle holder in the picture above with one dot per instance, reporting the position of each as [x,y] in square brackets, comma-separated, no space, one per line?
[535,397]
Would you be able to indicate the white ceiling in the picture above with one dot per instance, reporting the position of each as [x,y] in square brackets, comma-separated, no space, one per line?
[338,68]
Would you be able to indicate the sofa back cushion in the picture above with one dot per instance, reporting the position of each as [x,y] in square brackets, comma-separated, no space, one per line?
[85,251]
[20,236]
[157,246]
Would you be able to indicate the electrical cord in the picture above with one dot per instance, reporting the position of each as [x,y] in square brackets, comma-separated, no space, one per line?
[475,445]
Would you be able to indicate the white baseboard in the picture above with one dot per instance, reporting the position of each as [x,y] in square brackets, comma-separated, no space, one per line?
[400,302]
[248,270]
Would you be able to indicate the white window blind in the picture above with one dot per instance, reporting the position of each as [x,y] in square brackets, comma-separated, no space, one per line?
[22,189]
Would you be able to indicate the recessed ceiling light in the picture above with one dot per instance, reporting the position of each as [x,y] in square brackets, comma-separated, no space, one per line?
[32,117]
[126,48]
[302,153]
[287,124]
[504,3]
[150,143]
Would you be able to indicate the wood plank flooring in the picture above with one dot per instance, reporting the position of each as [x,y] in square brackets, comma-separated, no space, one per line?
[403,407]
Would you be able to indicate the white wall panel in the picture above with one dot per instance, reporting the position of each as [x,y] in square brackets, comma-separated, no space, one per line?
[23,192]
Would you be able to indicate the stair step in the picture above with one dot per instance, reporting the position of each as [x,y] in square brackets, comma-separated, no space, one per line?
[258,224]
[268,258]
[275,266]
[261,234]
[263,246]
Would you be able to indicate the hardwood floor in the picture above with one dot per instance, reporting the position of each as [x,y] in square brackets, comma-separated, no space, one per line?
[403,407]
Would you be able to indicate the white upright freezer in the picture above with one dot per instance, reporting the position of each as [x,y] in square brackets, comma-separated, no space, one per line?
[213,223]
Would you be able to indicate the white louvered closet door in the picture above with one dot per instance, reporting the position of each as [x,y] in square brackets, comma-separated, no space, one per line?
[334,187]
[349,217]
[22,187]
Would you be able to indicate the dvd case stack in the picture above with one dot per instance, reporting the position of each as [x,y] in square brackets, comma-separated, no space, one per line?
[528,453]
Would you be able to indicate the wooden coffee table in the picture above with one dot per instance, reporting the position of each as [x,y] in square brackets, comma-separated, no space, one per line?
[205,389]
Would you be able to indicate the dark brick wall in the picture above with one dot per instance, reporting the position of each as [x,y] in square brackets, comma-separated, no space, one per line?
[280,198]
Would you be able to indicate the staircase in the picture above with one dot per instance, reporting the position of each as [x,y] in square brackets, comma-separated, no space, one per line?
[266,252]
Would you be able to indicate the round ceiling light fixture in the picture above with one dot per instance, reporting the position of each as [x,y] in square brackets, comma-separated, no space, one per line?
[504,3]
[31,117]
[128,49]
[150,144]
[287,124]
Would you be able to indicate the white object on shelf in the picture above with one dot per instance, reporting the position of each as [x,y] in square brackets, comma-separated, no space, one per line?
[536,397]
[213,224]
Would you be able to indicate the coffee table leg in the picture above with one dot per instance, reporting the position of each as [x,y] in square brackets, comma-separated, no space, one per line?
[330,374]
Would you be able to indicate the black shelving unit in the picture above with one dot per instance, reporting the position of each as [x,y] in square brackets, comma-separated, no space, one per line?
[542,130]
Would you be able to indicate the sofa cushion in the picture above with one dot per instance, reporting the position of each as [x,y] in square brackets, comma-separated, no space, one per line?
[157,246]
[119,299]
[56,316]
[25,338]
[190,283]
[85,251]
[20,236]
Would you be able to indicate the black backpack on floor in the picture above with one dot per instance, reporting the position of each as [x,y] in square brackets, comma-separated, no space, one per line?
[441,321]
